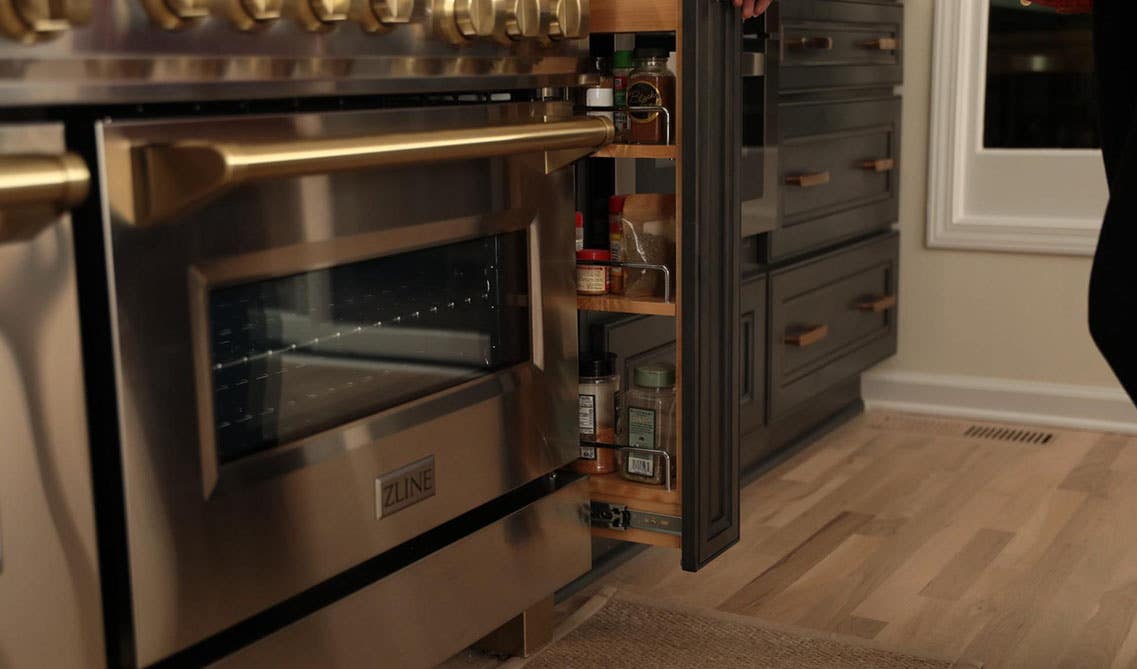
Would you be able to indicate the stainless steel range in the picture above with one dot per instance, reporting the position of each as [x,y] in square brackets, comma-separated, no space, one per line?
[326,277]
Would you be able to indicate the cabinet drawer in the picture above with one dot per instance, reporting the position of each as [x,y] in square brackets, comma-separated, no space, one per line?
[831,318]
[840,44]
[435,607]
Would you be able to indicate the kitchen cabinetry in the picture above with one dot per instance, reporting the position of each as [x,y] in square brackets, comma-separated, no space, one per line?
[831,260]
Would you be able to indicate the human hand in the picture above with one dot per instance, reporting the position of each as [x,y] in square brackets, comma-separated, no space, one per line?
[752,8]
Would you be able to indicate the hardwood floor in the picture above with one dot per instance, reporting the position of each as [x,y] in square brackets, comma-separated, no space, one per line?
[903,530]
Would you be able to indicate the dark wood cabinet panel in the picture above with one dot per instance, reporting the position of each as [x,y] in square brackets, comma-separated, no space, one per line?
[830,318]
[752,400]
[838,44]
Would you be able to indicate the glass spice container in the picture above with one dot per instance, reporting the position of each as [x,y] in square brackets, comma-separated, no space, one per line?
[601,94]
[592,279]
[599,414]
[651,84]
[621,71]
[650,425]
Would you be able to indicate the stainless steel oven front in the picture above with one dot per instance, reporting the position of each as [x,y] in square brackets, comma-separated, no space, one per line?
[332,332]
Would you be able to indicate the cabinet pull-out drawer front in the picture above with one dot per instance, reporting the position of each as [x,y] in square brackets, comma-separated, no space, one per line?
[433,608]
[857,145]
[839,44]
[830,318]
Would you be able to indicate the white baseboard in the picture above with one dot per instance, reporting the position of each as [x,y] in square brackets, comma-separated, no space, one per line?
[1001,400]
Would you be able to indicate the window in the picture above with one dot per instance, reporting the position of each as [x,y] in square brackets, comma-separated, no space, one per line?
[1014,159]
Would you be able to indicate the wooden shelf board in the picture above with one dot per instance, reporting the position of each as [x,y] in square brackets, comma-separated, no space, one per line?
[665,151]
[653,498]
[630,16]
[625,305]
[640,537]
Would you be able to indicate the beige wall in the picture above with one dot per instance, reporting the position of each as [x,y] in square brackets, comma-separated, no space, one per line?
[1007,316]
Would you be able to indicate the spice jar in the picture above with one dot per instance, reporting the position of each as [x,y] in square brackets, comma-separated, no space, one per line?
[616,242]
[621,71]
[651,84]
[599,414]
[592,279]
[650,425]
[579,231]
[601,94]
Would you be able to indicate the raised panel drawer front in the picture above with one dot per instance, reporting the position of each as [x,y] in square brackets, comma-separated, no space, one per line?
[856,143]
[830,318]
[840,44]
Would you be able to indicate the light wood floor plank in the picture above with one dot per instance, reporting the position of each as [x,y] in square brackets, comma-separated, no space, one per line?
[901,530]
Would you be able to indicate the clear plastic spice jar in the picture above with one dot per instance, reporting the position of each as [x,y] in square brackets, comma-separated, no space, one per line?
[616,242]
[599,414]
[601,95]
[592,279]
[649,422]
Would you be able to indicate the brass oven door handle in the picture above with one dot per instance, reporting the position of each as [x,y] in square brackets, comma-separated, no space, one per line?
[805,336]
[809,180]
[877,305]
[879,165]
[820,43]
[155,182]
[36,188]
[881,44]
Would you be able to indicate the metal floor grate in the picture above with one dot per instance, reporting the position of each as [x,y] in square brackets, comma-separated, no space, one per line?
[1017,435]
[958,428]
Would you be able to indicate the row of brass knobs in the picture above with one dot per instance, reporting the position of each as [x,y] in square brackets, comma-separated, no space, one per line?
[456,20]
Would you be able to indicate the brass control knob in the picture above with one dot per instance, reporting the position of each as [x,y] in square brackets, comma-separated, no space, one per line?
[320,15]
[478,18]
[251,15]
[176,14]
[570,20]
[39,20]
[523,19]
[382,15]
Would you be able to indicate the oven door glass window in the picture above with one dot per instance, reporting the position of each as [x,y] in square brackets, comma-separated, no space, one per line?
[296,355]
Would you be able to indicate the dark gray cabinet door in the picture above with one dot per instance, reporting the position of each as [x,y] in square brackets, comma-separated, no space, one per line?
[711,237]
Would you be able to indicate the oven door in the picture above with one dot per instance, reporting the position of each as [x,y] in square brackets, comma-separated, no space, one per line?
[334,332]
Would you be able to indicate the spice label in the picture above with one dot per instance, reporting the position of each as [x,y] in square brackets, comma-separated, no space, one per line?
[588,414]
[641,428]
[587,452]
[642,465]
[644,94]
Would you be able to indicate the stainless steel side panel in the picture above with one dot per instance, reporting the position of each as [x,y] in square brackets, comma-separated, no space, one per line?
[201,561]
[49,586]
[434,608]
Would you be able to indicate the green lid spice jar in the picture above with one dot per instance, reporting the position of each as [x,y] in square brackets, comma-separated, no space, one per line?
[650,425]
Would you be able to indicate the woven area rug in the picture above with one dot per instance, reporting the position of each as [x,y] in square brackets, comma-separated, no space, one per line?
[620,631]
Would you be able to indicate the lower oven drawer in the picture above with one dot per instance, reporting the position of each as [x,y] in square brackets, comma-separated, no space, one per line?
[426,612]
[831,318]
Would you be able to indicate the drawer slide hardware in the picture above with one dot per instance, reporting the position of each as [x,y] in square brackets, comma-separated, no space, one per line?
[620,517]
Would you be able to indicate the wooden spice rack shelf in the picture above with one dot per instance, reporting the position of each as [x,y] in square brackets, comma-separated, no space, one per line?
[625,305]
[630,16]
[651,498]
[659,151]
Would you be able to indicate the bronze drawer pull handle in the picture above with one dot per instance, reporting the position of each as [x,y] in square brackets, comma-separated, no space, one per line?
[877,305]
[815,43]
[807,335]
[879,165]
[882,44]
[808,180]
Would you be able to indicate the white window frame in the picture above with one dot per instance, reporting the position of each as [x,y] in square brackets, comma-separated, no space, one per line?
[1016,200]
